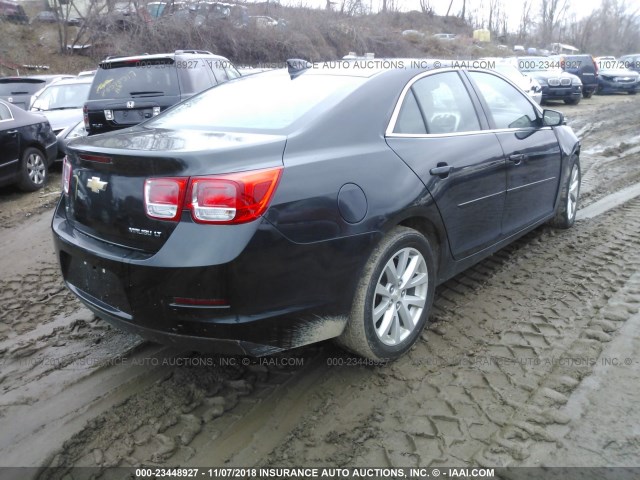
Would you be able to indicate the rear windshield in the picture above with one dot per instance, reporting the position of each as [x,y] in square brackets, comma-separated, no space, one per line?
[268,101]
[135,79]
[20,87]
[577,62]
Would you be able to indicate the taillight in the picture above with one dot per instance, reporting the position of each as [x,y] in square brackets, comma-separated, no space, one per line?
[221,199]
[234,198]
[163,197]
[66,175]
[85,115]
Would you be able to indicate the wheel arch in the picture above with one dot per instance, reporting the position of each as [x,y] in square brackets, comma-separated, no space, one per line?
[435,236]
[34,144]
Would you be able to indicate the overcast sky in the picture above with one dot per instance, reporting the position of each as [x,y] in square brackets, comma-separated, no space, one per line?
[581,8]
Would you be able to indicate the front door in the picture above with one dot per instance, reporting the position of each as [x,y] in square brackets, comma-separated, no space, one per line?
[531,151]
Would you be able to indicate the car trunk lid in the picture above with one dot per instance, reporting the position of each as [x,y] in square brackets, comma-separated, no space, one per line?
[106,192]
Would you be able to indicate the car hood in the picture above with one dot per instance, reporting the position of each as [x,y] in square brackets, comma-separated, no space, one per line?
[619,72]
[61,119]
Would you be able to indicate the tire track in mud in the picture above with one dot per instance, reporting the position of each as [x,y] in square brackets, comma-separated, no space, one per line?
[479,387]
[468,393]
[477,370]
[610,173]
[33,298]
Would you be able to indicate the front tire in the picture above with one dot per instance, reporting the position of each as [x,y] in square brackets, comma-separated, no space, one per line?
[393,297]
[33,170]
[568,207]
[572,101]
[587,94]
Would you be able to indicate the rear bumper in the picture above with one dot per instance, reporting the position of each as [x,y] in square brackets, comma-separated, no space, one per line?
[275,294]
[256,337]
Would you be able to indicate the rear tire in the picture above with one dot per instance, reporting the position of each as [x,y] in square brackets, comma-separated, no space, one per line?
[393,297]
[33,170]
[632,92]
[587,94]
[568,206]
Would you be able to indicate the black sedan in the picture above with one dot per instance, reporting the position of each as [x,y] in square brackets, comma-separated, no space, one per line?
[28,146]
[330,208]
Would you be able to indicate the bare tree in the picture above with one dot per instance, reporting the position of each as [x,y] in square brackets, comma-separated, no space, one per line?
[449,9]
[425,6]
[525,22]
[551,14]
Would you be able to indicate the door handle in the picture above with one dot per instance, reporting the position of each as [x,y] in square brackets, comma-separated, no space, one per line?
[441,171]
[12,132]
[517,158]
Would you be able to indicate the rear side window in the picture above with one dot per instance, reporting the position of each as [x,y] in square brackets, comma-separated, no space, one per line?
[217,67]
[410,119]
[5,113]
[231,71]
[137,78]
[195,75]
[444,104]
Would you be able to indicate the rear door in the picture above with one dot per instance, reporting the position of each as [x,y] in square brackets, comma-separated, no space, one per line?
[531,151]
[9,144]
[438,133]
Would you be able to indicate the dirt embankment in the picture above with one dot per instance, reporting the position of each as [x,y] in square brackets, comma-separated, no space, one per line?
[505,374]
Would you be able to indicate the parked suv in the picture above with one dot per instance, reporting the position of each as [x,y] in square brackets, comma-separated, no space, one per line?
[585,68]
[20,90]
[556,84]
[12,12]
[127,90]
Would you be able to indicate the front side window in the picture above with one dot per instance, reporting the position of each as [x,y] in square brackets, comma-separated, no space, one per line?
[508,107]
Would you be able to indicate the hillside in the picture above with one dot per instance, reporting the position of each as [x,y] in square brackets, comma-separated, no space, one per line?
[304,33]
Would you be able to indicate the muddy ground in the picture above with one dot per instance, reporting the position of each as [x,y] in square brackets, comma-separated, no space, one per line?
[530,359]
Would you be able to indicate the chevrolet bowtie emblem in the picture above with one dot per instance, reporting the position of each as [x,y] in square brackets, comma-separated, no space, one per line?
[96,185]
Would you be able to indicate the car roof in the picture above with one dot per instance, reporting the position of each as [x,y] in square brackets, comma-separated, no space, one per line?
[369,67]
[27,78]
[73,81]
[159,56]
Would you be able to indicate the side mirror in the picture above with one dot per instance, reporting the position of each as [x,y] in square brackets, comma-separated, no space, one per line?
[552,118]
